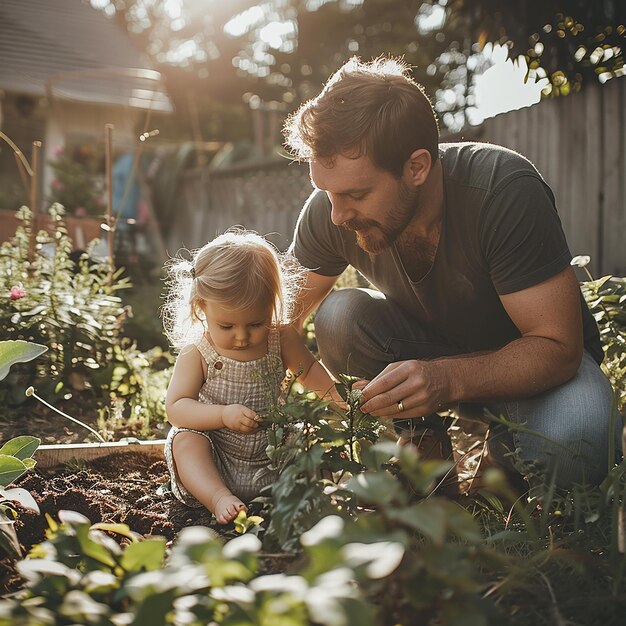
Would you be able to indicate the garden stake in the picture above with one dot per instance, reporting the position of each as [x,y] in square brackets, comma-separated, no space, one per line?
[110,222]
[33,204]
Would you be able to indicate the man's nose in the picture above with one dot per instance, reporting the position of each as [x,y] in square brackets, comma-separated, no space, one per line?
[340,211]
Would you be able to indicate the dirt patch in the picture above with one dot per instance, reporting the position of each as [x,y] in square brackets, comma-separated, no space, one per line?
[34,418]
[110,489]
[126,488]
[130,488]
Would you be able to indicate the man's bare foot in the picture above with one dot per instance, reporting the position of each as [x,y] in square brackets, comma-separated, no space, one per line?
[226,506]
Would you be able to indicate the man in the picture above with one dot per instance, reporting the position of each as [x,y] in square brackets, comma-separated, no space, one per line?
[478,304]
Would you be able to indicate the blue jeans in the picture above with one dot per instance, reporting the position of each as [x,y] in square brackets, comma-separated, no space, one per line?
[563,432]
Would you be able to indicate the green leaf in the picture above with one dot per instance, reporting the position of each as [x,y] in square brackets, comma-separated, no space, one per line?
[92,549]
[29,463]
[153,610]
[144,555]
[375,487]
[80,607]
[380,453]
[36,569]
[9,543]
[21,496]
[12,352]
[426,518]
[11,469]
[21,447]
[119,529]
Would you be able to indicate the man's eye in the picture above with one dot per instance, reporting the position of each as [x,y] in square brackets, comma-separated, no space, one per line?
[357,196]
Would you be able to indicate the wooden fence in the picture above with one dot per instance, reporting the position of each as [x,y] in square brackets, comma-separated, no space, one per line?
[265,197]
[578,143]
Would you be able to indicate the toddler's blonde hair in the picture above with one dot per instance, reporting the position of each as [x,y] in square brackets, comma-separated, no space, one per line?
[238,269]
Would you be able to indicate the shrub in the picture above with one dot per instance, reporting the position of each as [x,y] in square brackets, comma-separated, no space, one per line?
[15,454]
[73,307]
[606,298]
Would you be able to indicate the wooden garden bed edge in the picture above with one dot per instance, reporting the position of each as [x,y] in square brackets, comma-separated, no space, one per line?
[51,455]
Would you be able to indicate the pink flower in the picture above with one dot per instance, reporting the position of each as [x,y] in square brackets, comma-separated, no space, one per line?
[17,292]
[80,211]
[58,185]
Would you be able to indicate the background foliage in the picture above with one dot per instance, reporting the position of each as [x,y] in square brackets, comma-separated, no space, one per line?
[246,53]
[73,306]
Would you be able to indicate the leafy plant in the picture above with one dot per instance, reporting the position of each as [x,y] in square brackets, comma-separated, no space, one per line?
[68,306]
[15,454]
[74,308]
[82,575]
[15,459]
[313,447]
[606,298]
[77,182]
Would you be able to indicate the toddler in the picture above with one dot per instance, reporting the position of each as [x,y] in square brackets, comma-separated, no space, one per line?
[228,310]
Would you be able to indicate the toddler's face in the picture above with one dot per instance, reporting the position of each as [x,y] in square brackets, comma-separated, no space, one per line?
[237,330]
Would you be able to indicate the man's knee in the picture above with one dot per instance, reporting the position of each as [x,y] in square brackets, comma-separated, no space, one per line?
[341,308]
[577,429]
[343,328]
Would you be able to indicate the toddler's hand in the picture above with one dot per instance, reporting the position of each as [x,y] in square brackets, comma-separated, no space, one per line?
[240,418]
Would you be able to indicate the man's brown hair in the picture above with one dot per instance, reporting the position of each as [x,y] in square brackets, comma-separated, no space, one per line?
[372,108]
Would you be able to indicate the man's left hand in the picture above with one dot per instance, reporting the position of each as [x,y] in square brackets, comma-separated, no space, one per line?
[406,389]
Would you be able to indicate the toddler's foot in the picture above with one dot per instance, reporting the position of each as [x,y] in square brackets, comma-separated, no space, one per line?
[226,506]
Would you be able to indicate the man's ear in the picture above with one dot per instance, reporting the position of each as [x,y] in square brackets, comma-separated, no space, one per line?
[417,167]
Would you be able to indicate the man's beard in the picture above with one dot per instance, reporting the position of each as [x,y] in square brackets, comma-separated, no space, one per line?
[380,236]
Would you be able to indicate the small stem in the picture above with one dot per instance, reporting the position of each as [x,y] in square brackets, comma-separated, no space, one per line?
[31,392]
[18,153]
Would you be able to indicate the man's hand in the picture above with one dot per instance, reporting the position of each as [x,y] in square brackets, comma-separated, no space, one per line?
[421,386]
[240,418]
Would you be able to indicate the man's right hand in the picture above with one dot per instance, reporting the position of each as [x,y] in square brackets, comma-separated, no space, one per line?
[240,418]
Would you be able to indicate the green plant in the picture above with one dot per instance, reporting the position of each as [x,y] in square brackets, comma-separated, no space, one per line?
[15,454]
[81,575]
[15,459]
[75,309]
[313,446]
[606,298]
[68,306]
[77,180]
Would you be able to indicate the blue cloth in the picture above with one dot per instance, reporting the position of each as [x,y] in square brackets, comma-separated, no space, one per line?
[125,202]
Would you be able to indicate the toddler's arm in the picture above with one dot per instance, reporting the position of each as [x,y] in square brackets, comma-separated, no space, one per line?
[184,410]
[298,358]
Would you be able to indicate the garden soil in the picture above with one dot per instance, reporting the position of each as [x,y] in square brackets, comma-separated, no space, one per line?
[129,488]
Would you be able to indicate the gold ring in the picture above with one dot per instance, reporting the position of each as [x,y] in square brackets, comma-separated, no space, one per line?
[400,406]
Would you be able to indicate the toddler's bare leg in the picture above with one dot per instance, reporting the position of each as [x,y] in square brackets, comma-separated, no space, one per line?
[196,470]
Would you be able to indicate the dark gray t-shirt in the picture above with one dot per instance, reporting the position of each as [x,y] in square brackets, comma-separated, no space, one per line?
[500,234]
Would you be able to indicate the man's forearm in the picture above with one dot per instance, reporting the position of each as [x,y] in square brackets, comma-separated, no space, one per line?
[522,368]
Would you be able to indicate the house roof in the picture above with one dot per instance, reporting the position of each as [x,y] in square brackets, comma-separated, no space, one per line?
[70,50]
